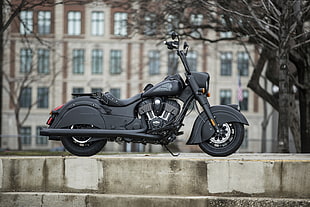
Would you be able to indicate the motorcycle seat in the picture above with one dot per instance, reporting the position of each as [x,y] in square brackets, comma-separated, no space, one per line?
[110,100]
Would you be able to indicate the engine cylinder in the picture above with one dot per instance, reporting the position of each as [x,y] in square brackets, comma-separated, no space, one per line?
[158,111]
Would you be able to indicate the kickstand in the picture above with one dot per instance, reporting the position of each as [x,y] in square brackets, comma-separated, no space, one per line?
[173,154]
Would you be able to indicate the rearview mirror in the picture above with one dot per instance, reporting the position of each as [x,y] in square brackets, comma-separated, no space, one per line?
[185,47]
[174,35]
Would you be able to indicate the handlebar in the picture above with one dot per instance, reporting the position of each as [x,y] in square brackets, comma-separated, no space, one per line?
[172,44]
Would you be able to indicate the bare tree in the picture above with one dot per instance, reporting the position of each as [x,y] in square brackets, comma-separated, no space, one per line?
[277,28]
[16,85]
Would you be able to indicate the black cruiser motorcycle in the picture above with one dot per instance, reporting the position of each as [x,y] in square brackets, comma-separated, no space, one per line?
[86,123]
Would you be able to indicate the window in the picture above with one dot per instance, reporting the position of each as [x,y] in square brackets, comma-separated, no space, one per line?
[243,64]
[150,25]
[43,97]
[226,34]
[40,140]
[192,60]
[97,61]
[26,22]
[97,23]
[25,133]
[44,22]
[120,24]
[172,24]
[116,92]
[173,62]
[74,23]
[116,61]
[244,102]
[77,91]
[25,60]
[94,90]
[196,20]
[43,61]
[78,61]
[154,62]
[226,63]
[25,97]
[225,97]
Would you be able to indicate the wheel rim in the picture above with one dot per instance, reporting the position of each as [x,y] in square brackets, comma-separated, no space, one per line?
[224,137]
[81,141]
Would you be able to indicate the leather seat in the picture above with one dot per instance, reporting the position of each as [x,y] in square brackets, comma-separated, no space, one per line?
[111,100]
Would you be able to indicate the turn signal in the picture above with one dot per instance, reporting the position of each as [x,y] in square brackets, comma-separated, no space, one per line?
[202,90]
[212,122]
[208,94]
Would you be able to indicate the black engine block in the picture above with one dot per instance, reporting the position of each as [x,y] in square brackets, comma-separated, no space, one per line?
[159,112]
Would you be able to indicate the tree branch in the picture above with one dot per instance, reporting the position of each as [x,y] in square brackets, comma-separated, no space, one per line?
[254,81]
[12,16]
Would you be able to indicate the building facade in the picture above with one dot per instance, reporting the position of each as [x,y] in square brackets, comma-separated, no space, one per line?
[87,48]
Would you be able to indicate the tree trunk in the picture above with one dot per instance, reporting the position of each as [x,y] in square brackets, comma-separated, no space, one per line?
[303,71]
[1,65]
[254,83]
[284,84]
[304,105]
[18,127]
[294,124]
[264,123]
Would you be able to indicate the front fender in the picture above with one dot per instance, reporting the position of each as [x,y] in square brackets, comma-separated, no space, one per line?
[203,130]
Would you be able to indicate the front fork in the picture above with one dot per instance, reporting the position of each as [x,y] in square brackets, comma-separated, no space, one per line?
[206,108]
[203,101]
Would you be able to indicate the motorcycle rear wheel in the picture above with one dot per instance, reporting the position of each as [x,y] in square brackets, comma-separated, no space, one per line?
[226,142]
[82,145]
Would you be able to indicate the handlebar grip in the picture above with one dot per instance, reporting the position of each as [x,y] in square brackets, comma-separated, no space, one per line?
[172,44]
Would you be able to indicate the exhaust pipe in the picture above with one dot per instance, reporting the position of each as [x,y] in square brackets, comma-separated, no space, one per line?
[97,133]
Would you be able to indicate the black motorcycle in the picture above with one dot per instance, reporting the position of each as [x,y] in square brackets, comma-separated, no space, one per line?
[86,123]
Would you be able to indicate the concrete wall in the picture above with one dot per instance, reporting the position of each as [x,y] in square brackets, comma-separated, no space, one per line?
[187,175]
[108,200]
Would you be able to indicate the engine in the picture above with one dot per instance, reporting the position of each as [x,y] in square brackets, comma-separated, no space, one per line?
[158,111]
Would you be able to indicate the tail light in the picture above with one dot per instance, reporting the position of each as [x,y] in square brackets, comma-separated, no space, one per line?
[52,113]
[50,120]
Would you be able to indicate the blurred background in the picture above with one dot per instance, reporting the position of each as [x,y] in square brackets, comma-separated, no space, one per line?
[256,56]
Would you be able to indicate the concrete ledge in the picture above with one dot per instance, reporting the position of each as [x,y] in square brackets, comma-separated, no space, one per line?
[261,175]
[38,199]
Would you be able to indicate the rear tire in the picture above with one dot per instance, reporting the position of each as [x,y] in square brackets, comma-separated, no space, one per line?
[226,142]
[82,146]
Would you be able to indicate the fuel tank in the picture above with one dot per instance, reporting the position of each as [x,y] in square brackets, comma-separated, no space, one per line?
[170,86]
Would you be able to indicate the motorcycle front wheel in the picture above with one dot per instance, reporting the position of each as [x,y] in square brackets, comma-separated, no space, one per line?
[82,145]
[226,142]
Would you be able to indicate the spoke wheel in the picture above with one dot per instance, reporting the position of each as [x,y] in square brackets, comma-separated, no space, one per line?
[82,145]
[226,142]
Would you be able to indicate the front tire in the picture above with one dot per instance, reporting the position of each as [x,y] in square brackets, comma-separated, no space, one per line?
[82,145]
[226,142]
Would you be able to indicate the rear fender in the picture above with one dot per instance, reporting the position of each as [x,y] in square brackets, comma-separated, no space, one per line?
[80,112]
[203,130]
